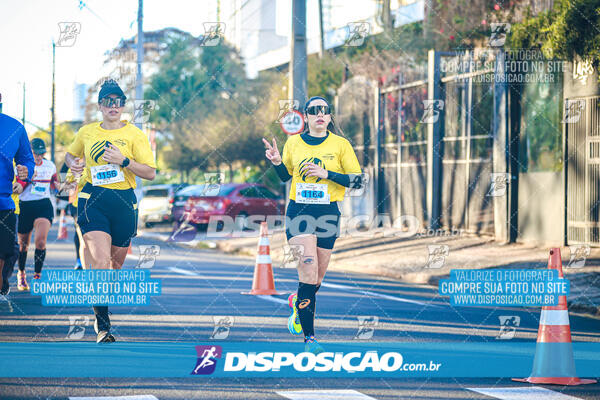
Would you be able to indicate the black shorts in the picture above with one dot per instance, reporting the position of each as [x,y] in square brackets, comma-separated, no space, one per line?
[8,225]
[71,210]
[29,211]
[108,210]
[322,220]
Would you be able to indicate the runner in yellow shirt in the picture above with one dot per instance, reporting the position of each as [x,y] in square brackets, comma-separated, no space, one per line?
[112,153]
[321,165]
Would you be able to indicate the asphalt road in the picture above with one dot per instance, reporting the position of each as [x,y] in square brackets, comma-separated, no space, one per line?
[199,286]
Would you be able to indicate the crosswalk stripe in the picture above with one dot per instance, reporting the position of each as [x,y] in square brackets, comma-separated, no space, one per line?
[374,294]
[183,271]
[523,393]
[325,395]
[137,397]
[273,299]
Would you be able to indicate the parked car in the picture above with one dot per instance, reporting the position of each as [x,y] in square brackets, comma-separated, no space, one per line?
[236,200]
[156,203]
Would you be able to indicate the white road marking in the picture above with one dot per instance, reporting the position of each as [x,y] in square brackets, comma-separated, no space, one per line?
[273,299]
[325,395]
[138,397]
[183,271]
[523,393]
[374,294]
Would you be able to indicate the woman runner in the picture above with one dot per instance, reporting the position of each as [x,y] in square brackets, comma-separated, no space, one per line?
[321,165]
[36,212]
[112,153]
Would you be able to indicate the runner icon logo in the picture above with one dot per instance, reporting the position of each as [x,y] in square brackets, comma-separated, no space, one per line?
[148,254]
[431,111]
[206,363]
[508,326]
[68,33]
[579,254]
[77,326]
[286,106]
[498,185]
[366,327]
[573,110]
[292,255]
[142,109]
[213,33]
[357,32]
[437,255]
[212,183]
[222,327]
[499,32]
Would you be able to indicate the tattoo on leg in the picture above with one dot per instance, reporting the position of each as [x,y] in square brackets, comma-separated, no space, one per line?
[308,260]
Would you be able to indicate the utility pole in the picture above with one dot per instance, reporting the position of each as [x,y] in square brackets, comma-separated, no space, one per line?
[53,109]
[23,119]
[297,70]
[386,17]
[139,88]
[321,37]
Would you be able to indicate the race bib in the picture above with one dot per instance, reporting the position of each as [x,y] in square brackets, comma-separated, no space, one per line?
[106,174]
[40,188]
[312,193]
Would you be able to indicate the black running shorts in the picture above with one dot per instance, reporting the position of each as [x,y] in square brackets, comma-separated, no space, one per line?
[32,210]
[8,225]
[108,210]
[322,220]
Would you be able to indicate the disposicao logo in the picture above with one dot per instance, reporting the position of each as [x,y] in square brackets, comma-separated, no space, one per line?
[207,362]
[323,362]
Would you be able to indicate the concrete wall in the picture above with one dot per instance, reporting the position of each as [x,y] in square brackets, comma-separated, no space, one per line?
[541,207]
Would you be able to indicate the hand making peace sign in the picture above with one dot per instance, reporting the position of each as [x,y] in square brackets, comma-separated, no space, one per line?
[271,152]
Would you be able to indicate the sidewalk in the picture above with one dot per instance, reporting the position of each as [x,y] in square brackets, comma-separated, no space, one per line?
[406,259]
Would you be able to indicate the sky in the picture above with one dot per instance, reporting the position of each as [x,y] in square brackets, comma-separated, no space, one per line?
[28,27]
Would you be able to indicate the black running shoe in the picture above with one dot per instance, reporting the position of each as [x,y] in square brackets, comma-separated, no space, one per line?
[5,288]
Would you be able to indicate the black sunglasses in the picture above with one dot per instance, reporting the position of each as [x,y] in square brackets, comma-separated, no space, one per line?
[314,110]
[110,101]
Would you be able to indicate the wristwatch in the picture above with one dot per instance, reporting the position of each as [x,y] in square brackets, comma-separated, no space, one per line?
[125,162]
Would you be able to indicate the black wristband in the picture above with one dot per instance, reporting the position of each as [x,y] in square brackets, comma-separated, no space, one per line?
[125,163]
[282,172]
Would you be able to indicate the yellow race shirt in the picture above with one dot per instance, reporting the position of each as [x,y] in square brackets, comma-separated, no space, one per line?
[131,141]
[334,154]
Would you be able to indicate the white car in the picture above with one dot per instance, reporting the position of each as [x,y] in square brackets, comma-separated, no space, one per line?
[156,203]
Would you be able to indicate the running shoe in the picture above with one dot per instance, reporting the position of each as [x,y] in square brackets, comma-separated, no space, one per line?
[5,288]
[37,275]
[294,320]
[78,264]
[105,337]
[312,346]
[22,281]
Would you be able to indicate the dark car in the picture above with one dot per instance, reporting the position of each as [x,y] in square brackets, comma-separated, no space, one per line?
[197,203]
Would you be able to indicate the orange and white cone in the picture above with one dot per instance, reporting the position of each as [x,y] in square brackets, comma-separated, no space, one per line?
[554,362]
[129,251]
[62,227]
[263,282]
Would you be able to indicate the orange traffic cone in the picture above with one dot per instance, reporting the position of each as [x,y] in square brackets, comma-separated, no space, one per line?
[62,227]
[554,362]
[263,282]
[129,251]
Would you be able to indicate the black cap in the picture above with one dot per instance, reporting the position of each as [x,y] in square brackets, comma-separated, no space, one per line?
[38,146]
[110,87]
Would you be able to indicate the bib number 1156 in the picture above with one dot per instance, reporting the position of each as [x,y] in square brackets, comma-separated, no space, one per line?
[106,174]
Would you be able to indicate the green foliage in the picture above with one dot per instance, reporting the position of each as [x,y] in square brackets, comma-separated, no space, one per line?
[567,31]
